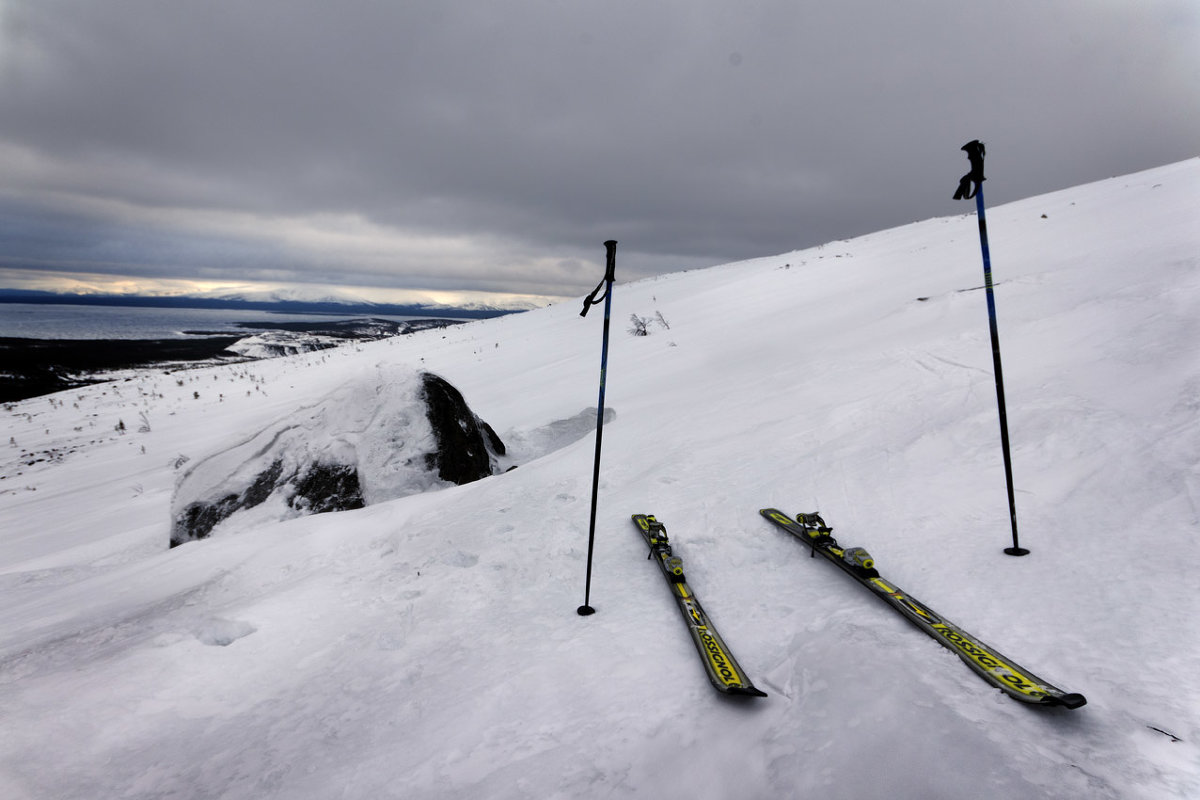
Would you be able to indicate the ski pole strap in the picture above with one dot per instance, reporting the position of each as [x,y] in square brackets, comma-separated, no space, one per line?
[592,299]
[609,272]
[975,153]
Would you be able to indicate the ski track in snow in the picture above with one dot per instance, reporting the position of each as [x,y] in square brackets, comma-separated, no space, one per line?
[428,647]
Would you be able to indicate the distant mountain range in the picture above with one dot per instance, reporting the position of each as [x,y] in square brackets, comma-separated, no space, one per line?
[278,304]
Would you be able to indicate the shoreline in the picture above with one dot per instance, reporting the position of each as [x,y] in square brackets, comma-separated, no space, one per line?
[35,367]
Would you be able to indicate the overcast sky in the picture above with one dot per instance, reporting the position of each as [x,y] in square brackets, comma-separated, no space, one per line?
[494,145]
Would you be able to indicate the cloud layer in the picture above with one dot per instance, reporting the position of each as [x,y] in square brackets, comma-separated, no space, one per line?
[494,146]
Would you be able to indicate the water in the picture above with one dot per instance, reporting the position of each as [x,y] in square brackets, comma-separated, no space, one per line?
[38,321]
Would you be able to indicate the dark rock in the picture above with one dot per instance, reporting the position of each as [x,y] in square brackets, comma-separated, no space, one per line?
[327,487]
[315,489]
[466,445]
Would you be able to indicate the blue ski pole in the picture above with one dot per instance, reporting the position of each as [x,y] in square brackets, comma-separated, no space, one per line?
[611,252]
[975,154]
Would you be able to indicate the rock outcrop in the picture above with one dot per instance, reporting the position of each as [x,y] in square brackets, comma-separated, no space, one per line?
[397,434]
[466,445]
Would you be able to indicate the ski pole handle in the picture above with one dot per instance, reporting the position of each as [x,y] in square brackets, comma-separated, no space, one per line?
[975,152]
[610,248]
[592,299]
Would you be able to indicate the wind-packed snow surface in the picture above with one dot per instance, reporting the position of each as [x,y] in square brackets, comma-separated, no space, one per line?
[429,647]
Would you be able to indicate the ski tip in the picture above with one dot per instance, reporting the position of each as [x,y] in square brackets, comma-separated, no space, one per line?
[1069,700]
[745,691]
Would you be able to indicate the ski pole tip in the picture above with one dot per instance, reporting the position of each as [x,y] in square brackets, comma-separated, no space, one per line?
[585,611]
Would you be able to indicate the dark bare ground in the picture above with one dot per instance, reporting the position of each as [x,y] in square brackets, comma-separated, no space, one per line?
[33,367]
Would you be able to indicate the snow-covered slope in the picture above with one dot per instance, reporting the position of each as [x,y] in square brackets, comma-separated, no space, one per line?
[429,647]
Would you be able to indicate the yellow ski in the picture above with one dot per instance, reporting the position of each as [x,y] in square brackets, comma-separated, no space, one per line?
[998,670]
[722,668]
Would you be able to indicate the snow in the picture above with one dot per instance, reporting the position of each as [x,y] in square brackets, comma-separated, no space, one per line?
[428,646]
[276,343]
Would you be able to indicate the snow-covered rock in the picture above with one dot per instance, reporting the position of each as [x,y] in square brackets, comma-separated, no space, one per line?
[395,433]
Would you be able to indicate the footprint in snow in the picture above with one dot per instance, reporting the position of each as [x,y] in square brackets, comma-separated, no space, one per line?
[223,632]
[460,559]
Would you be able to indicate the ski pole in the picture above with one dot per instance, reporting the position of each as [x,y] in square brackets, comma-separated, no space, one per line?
[606,284]
[975,154]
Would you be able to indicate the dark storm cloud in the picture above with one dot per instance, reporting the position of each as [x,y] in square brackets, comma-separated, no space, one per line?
[495,145]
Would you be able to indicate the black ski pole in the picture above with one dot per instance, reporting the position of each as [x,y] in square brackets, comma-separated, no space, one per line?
[975,154]
[611,252]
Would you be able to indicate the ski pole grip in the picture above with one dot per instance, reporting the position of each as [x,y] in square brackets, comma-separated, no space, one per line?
[595,297]
[975,152]
[970,184]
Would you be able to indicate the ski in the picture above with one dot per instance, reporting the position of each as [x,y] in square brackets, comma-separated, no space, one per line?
[998,670]
[722,668]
